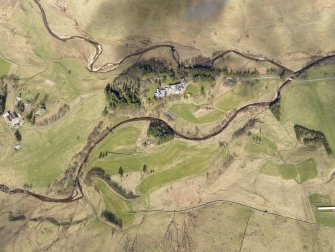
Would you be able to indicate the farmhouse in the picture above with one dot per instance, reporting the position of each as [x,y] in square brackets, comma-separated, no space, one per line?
[13,119]
[174,89]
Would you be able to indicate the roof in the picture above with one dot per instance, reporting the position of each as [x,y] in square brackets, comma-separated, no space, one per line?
[171,115]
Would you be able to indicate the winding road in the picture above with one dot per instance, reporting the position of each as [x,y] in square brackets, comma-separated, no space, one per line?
[77,191]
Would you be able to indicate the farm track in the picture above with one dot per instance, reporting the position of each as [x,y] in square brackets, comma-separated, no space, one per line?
[77,191]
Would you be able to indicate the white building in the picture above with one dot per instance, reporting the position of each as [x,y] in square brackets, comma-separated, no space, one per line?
[326,208]
[175,89]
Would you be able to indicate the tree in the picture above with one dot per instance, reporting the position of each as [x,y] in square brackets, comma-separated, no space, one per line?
[145,168]
[18,135]
[121,171]
[105,111]
[202,90]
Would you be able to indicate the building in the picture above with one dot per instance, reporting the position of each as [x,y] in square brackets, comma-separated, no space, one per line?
[174,89]
[13,119]
[170,115]
[41,111]
[326,208]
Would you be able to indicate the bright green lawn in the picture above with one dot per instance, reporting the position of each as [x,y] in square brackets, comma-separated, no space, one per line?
[184,111]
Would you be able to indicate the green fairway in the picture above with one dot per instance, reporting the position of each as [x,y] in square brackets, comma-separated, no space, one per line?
[311,105]
[115,203]
[189,167]
[122,141]
[184,111]
[4,66]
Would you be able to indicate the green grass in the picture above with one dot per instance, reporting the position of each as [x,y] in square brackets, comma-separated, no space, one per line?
[288,171]
[195,87]
[270,169]
[47,152]
[306,170]
[311,105]
[115,203]
[244,92]
[4,66]
[189,167]
[300,172]
[185,159]
[323,218]
[158,159]
[123,140]
[184,111]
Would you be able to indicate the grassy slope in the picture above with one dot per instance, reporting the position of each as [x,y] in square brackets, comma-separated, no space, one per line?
[46,152]
[243,93]
[184,111]
[300,172]
[311,105]
[115,203]
[325,218]
[199,161]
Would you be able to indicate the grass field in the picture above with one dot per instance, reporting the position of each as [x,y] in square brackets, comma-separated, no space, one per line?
[324,218]
[245,92]
[4,66]
[311,105]
[199,161]
[300,172]
[185,111]
[195,87]
[115,203]
[46,152]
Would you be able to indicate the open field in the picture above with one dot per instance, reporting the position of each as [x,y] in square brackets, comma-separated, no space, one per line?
[300,172]
[46,152]
[324,218]
[311,105]
[115,203]
[185,111]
